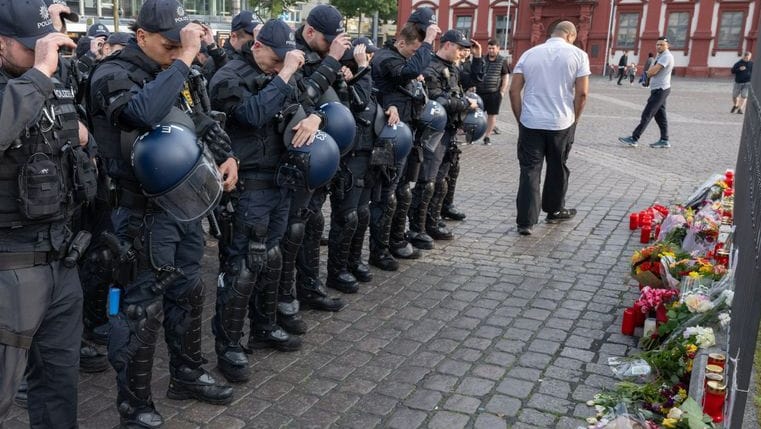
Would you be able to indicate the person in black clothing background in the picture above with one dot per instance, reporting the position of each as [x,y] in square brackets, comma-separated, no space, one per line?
[742,71]
[622,63]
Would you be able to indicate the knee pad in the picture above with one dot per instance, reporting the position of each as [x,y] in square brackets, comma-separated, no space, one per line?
[274,259]
[144,321]
[294,235]
[392,203]
[350,219]
[363,215]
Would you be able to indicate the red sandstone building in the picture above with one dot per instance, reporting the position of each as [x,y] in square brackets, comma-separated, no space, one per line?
[706,36]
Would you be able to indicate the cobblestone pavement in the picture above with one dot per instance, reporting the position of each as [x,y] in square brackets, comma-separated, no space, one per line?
[492,329]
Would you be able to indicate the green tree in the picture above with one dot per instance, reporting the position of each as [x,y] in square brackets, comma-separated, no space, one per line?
[352,8]
[274,7]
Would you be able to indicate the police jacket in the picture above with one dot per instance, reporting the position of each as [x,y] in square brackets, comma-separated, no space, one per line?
[253,102]
[41,161]
[445,85]
[316,76]
[493,72]
[130,94]
[391,70]
[366,113]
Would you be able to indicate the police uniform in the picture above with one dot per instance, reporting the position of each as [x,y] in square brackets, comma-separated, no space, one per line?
[301,244]
[41,163]
[253,102]
[393,77]
[130,94]
[444,85]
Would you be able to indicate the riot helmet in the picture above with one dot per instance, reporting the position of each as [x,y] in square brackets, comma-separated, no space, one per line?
[176,172]
[340,124]
[309,166]
[433,116]
[401,137]
[474,125]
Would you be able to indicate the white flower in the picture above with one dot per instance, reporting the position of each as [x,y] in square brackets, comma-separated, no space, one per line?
[674,413]
[728,295]
[724,319]
[703,336]
[697,303]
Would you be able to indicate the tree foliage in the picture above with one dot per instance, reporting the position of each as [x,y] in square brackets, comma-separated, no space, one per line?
[352,8]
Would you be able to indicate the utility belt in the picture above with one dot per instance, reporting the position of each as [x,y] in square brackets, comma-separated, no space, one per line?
[21,260]
[256,181]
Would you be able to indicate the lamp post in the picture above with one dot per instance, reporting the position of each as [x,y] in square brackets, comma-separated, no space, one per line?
[605,70]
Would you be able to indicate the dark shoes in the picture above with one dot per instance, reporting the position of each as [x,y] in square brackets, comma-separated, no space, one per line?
[525,230]
[487,141]
[276,339]
[734,109]
[232,363]
[343,281]
[421,240]
[451,212]
[384,260]
[404,250]
[187,383]
[628,141]
[293,324]
[91,360]
[496,130]
[439,232]
[361,272]
[740,111]
[139,417]
[661,144]
[561,216]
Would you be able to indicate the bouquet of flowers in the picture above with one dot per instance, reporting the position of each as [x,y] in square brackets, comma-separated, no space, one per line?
[650,298]
[703,231]
[646,264]
[697,268]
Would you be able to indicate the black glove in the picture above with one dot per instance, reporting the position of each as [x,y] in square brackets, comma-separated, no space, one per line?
[214,137]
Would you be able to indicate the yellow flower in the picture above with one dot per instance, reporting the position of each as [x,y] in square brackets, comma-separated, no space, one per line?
[692,348]
[669,423]
[668,253]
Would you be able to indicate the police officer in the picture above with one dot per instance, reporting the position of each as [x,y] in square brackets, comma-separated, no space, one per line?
[350,194]
[39,286]
[253,89]
[323,41]
[242,29]
[394,70]
[131,92]
[444,85]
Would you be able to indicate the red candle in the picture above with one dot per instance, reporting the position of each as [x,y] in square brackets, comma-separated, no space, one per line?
[644,236]
[639,316]
[717,359]
[661,315]
[633,221]
[627,325]
[713,401]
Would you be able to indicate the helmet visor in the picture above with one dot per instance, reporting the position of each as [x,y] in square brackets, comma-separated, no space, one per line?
[195,196]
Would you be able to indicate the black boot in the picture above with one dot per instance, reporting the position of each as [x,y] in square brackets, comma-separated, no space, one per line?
[448,209]
[232,362]
[288,316]
[399,244]
[188,383]
[312,294]
[342,228]
[91,360]
[384,260]
[276,339]
[360,270]
[421,198]
[433,225]
[382,213]
[134,416]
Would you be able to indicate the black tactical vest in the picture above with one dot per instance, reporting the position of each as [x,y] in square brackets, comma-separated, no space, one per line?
[387,87]
[259,149]
[37,173]
[492,76]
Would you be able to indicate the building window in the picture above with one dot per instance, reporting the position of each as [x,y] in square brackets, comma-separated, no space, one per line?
[730,29]
[678,26]
[502,31]
[626,38]
[464,24]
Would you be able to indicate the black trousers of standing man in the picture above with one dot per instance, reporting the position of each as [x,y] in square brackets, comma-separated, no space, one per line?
[534,146]
[656,106]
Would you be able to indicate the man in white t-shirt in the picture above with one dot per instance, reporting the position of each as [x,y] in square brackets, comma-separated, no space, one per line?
[554,79]
[660,88]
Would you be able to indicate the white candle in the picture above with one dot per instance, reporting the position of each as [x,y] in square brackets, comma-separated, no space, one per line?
[649,327]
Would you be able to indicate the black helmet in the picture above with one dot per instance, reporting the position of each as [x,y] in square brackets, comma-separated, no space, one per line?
[474,125]
[176,172]
[340,124]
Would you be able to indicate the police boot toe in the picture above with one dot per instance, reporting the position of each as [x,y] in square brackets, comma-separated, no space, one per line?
[322,303]
[384,261]
[451,212]
[276,339]
[405,250]
[437,232]
[343,281]
[91,360]
[233,364]
[362,272]
[292,323]
[139,417]
[421,240]
[187,383]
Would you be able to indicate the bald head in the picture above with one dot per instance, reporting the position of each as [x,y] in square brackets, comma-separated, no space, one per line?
[564,29]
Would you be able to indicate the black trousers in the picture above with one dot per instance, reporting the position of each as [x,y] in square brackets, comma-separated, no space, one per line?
[534,147]
[44,302]
[656,106]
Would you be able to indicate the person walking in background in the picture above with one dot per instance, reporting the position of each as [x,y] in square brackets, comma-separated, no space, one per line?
[622,63]
[631,72]
[555,76]
[660,81]
[645,80]
[494,86]
[742,70]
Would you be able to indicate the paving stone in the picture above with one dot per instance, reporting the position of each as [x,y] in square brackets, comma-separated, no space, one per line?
[535,417]
[447,420]
[423,399]
[404,418]
[489,421]
[517,388]
[503,405]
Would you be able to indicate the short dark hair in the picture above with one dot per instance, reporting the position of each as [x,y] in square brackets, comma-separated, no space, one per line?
[410,33]
[664,38]
[493,42]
